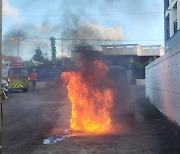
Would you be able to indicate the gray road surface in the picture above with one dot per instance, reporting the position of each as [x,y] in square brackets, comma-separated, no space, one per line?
[33,116]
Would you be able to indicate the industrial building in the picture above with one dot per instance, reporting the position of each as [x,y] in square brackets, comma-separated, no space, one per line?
[125,54]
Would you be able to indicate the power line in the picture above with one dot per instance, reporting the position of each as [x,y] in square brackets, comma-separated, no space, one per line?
[75,39]
[105,14]
[12,37]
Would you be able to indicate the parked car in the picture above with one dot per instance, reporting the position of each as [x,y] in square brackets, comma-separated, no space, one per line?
[5,86]
[123,107]
[49,75]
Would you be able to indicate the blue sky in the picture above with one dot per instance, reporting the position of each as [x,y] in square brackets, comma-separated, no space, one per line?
[131,21]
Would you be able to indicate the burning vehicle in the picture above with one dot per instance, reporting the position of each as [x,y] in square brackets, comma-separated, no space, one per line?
[123,107]
[98,93]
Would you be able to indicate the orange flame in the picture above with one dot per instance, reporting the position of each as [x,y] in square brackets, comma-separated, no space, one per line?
[90,98]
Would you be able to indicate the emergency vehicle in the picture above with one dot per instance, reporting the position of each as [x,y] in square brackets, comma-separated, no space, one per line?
[16,75]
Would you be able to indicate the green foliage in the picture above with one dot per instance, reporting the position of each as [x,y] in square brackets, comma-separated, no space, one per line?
[38,55]
[47,63]
[53,49]
[58,63]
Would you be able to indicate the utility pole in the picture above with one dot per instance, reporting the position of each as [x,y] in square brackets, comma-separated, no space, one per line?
[105,42]
[18,44]
[46,54]
[62,53]
[18,38]
[53,49]
[1,107]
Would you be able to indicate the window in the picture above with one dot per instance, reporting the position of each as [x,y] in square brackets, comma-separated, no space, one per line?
[175,26]
[166,4]
[167,32]
[146,48]
[18,72]
[119,47]
[130,46]
[175,17]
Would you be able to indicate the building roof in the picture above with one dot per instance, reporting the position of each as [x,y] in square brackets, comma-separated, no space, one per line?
[133,49]
[11,58]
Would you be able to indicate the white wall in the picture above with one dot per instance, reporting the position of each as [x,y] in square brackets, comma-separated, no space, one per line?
[153,50]
[163,84]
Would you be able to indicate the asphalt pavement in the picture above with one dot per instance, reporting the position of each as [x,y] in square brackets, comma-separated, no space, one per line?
[30,117]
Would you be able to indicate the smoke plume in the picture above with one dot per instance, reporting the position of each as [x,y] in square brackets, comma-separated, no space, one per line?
[93,31]
[81,19]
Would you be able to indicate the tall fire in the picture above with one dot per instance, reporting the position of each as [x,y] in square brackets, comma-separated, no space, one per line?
[90,97]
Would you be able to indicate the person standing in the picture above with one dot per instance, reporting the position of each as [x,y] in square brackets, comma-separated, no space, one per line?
[34,78]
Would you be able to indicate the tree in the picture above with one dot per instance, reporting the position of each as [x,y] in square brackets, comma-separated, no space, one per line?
[59,63]
[53,49]
[38,55]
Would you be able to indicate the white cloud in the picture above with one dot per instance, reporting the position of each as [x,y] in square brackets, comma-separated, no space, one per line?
[9,11]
